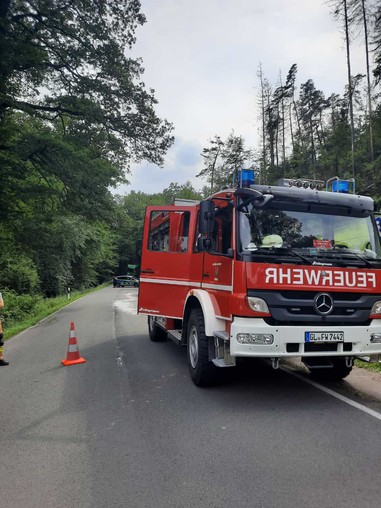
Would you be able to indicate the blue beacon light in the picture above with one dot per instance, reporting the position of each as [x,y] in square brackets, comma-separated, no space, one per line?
[246,177]
[340,186]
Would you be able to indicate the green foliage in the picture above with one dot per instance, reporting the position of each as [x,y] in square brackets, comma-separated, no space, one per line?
[21,312]
[19,273]
[17,270]
[16,306]
[377,44]
[77,52]
[96,259]
[74,113]
[223,159]
[211,157]
[175,190]
[46,171]
[130,218]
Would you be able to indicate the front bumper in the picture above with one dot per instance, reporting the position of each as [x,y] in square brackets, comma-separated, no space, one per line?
[289,341]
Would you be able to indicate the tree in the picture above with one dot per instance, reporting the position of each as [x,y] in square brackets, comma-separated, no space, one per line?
[377,44]
[278,107]
[181,191]
[211,155]
[311,105]
[263,99]
[341,13]
[73,113]
[359,17]
[290,87]
[277,111]
[130,218]
[234,156]
[66,59]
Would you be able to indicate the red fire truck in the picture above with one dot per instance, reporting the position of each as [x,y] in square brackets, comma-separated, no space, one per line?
[275,272]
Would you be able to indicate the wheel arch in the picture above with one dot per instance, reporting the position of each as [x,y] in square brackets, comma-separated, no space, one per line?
[201,298]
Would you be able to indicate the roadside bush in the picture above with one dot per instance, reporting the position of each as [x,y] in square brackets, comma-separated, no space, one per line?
[18,272]
[18,307]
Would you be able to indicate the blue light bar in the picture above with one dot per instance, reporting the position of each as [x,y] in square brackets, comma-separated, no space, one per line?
[246,177]
[335,184]
[340,186]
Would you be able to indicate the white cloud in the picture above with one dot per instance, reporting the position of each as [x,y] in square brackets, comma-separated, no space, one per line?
[182,163]
[202,57]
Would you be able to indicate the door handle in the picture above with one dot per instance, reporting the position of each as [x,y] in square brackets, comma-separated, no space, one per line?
[205,275]
[148,270]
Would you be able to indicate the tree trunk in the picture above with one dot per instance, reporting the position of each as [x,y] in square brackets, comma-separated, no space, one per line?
[350,88]
[368,81]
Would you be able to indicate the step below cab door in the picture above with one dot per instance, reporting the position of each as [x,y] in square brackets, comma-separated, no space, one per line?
[170,265]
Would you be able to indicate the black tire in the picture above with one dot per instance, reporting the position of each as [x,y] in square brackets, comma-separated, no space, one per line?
[337,372]
[156,334]
[203,372]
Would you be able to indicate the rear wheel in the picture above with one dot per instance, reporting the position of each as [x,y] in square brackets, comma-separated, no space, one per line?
[203,372]
[337,370]
[156,334]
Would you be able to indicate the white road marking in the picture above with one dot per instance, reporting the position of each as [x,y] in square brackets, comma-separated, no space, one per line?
[348,401]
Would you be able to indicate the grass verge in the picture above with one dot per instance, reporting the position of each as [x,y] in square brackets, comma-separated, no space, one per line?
[374,367]
[44,308]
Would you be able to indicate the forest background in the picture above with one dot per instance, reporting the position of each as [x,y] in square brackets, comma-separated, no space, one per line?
[74,114]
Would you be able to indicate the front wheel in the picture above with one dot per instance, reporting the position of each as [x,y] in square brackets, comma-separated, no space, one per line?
[336,372]
[156,334]
[203,372]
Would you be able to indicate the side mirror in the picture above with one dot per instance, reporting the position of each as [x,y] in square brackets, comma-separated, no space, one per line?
[206,217]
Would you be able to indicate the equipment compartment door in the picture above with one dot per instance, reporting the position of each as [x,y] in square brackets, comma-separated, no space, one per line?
[167,251]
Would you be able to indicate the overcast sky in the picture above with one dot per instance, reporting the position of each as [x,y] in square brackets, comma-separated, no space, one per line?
[202,57]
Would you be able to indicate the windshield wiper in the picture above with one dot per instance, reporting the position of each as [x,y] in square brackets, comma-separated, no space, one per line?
[282,250]
[328,255]
[343,255]
[358,256]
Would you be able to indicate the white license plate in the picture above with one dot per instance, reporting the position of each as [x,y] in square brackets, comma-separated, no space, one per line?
[324,336]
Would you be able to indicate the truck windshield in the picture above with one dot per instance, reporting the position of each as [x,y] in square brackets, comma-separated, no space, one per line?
[307,232]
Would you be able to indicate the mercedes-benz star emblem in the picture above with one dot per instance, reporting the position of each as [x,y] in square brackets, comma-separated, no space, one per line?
[323,304]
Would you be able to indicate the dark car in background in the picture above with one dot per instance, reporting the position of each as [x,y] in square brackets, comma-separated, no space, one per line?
[122,281]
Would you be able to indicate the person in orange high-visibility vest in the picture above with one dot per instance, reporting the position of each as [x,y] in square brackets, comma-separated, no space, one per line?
[2,361]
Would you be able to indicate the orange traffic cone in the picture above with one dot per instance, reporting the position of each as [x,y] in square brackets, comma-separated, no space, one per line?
[73,355]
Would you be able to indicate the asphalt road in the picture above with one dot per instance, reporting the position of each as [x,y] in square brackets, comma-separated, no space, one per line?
[129,429]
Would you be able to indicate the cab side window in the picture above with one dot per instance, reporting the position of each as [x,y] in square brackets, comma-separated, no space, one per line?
[222,232]
[169,231]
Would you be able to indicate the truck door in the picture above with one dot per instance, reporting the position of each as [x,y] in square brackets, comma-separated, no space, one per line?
[218,262]
[168,263]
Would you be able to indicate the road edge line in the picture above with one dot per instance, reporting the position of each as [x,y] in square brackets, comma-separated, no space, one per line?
[343,398]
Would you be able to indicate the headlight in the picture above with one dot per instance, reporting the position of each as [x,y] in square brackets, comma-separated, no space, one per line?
[259,305]
[376,310]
